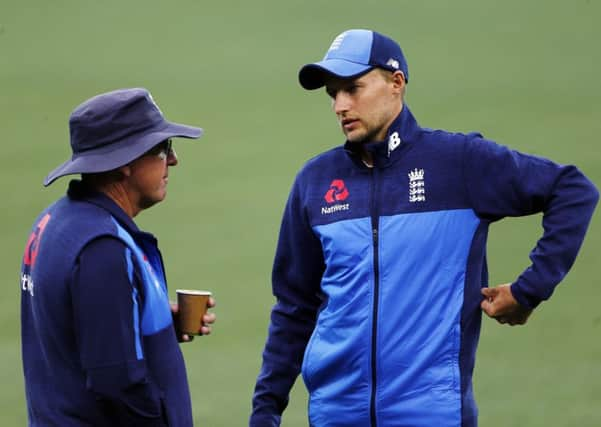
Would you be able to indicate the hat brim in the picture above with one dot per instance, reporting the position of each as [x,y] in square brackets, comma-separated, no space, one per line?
[312,76]
[121,153]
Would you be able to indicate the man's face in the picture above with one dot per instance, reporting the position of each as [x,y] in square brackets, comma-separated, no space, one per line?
[367,105]
[149,175]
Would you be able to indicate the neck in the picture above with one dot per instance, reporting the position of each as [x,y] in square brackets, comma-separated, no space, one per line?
[367,158]
[117,193]
[383,131]
[393,116]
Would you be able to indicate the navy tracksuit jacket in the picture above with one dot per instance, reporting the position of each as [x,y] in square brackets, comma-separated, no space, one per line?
[99,347]
[378,272]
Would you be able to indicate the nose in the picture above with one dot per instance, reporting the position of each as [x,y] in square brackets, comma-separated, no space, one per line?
[172,158]
[341,102]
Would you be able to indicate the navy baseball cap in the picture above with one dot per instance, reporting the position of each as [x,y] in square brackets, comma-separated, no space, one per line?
[352,53]
[114,128]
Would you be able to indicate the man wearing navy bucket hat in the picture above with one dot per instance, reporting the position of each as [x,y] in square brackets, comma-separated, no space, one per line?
[98,338]
[380,273]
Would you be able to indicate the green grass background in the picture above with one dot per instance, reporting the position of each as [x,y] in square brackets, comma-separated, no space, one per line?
[525,73]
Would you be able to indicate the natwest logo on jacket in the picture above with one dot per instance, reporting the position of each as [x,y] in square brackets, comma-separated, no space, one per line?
[337,192]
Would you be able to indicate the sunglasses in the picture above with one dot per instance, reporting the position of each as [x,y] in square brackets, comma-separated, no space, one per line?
[162,150]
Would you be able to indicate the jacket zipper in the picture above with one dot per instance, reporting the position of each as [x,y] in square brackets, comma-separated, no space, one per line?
[374,331]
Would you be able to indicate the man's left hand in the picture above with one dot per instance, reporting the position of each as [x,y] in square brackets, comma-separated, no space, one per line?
[207,322]
[500,304]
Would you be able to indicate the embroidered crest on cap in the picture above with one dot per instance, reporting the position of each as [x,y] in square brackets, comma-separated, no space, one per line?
[337,41]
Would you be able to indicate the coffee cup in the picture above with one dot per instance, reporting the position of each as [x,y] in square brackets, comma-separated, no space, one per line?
[192,306]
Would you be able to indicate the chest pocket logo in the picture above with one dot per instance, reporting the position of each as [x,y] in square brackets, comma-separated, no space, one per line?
[417,186]
[337,192]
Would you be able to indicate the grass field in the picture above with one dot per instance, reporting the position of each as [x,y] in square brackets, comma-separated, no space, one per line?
[526,74]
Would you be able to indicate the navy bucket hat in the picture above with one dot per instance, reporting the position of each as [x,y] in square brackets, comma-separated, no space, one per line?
[115,128]
[352,53]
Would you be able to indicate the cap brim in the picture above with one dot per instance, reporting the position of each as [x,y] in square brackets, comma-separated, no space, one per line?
[121,153]
[312,76]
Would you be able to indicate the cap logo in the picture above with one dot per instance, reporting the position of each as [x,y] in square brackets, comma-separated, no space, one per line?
[337,42]
[393,63]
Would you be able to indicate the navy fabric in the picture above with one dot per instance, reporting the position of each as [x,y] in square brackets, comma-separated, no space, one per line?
[352,53]
[387,54]
[377,273]
[91,356]
[113,129]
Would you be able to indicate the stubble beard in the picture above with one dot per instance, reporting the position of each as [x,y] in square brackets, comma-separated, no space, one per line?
[365,137]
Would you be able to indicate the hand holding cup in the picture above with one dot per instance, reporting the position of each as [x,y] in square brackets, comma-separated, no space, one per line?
[190,313]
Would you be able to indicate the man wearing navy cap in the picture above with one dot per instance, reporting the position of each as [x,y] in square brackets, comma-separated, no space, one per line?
[380,270]
[98,338]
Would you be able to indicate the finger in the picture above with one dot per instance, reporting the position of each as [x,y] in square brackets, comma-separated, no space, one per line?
[174,307]
[487,308]
[209,318]
[205,330]
[489,292]
[211,302]
[517,321]
[520,320]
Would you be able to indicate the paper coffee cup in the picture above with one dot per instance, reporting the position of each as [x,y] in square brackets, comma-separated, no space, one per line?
[192,305]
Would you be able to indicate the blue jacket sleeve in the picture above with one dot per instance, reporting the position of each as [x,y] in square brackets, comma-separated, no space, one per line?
[503,182]
[296,278]
[106,305]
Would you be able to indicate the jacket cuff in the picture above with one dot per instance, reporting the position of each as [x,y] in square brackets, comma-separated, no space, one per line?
[524,299]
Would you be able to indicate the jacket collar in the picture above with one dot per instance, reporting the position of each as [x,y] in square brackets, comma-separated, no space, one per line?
[79,191]
[400,135]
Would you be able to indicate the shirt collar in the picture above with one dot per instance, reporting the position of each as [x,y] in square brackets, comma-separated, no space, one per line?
[401,133]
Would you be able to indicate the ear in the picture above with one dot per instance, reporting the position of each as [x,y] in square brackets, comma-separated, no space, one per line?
[125,171]
[398,80]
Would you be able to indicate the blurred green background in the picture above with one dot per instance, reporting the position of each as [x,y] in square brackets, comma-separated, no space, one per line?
[526,74]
